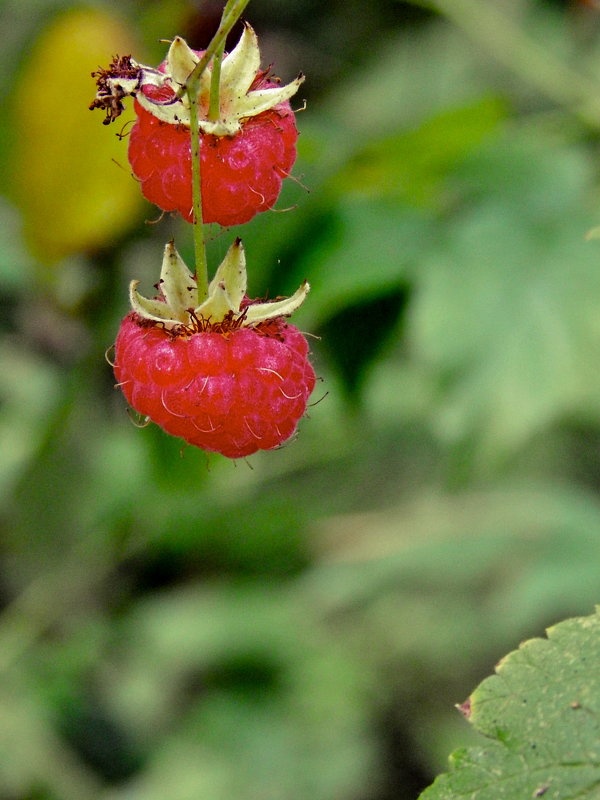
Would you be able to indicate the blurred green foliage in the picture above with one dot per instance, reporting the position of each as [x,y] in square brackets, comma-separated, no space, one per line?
[176,625]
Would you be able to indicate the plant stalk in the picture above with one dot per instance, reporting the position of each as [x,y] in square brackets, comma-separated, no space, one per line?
[231,13]
[214,110]
[199,247]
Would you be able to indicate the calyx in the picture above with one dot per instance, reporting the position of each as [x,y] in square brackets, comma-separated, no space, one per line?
[160,91]
[178,307]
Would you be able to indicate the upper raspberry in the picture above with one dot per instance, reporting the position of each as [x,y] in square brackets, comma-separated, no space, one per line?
[246,129]
[241,174]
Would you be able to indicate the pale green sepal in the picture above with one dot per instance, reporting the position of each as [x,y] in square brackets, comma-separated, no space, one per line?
[232,273]
[249,106]
[181,60]
[263,99]
[174,113]
[220,127]
[239,68]
[217,306]
[154,310]
[257,312]
[125,87]
[177,284]
[226,293]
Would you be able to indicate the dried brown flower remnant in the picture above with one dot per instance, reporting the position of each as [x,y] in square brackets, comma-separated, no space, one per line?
[121,79]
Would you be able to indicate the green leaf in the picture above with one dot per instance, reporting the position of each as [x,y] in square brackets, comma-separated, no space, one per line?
[541,711]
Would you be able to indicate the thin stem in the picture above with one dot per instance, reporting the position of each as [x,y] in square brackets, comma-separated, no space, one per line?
[214,109]
[231,13]
[199,248]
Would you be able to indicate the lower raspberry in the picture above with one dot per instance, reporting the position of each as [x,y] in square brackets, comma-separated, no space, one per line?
[233,393]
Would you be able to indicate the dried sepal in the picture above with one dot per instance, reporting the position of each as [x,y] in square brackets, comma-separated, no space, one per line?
[160,91]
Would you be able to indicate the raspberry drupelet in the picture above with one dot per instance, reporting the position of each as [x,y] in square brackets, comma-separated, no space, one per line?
[229,375]
[245,152]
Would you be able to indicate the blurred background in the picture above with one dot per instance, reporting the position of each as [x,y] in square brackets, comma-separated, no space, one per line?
[299,626]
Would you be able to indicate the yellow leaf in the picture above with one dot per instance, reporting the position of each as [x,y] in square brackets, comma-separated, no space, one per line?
[72,194]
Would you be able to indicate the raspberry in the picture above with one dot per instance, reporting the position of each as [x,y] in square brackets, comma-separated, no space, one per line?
[241,174]
[231,375]
[247,146]
[234,393]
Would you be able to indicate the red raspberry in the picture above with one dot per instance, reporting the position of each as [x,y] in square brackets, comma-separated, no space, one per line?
[221,371]
[233,393]
[247,145]
[241,174]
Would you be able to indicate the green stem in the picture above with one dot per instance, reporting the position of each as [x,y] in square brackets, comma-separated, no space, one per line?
[214,109]
[231,13]
[199,248]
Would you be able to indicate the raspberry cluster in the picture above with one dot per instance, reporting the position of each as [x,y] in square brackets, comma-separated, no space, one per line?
[202,360]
